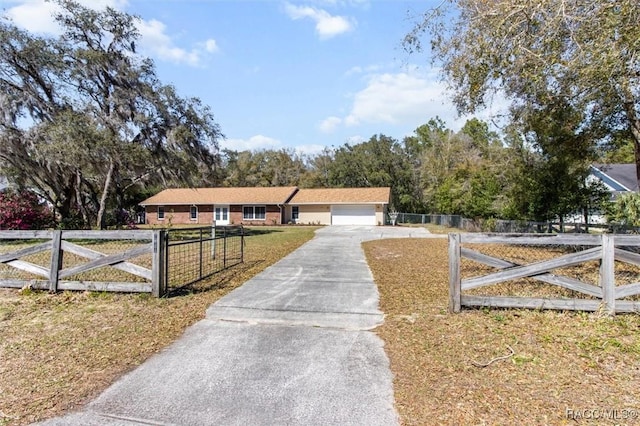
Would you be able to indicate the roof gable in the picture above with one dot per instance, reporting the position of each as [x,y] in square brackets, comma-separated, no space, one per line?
[618,177]
[342,196]
[236,196]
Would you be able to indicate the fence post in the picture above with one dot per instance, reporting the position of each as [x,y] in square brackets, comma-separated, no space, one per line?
[158,263]
[241,244]
[224,248]
[454,272]
[607,274]
[213,241]
[201,254]
[56,260]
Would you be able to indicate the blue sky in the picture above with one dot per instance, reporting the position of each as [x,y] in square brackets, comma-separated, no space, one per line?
[286,74]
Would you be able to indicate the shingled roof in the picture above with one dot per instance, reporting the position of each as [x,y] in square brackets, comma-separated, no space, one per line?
[342,196]
[200,196]
[619,177]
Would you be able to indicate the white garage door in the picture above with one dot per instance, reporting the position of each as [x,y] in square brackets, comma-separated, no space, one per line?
[353,215]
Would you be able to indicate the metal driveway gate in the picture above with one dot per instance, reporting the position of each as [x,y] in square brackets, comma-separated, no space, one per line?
[193,254]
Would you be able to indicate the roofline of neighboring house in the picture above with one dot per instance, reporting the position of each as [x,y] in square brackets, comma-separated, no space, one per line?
[603,173]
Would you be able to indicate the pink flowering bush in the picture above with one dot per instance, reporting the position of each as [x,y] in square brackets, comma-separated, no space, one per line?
[23,210]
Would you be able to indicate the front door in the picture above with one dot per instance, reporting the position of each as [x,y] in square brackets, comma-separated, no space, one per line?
[221,216]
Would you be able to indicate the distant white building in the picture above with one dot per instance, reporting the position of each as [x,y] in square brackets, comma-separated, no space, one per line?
[617,179]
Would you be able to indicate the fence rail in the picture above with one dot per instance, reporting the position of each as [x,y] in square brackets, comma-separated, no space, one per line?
[144,261]
[123,261]
[593,271]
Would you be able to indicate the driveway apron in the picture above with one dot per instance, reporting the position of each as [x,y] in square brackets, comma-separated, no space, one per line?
[291,346]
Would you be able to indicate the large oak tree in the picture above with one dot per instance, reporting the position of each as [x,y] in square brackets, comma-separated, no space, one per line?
[541,52]
[83,117]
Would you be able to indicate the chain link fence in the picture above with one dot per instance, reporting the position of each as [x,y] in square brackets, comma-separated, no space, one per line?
[506,226]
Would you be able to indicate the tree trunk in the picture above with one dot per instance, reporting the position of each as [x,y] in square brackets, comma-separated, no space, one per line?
[585,211]
[103,198]
[81,207]
[636,144]
[634,125]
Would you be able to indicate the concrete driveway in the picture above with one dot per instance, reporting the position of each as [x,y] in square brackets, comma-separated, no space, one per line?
[292,346]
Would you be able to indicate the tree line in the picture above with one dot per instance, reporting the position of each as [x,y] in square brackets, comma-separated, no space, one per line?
[524,174]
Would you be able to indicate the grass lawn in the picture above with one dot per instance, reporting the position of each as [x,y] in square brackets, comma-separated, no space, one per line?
[58,351]
[563,364]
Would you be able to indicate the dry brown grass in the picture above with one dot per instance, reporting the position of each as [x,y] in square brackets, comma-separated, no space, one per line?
[57,351]
[563,361]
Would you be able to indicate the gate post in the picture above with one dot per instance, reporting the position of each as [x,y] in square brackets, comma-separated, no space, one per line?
[213,241]
[241,244]
[159,263]
[607,274]
[224,249]
[56,260]
[454,273]
[200,255]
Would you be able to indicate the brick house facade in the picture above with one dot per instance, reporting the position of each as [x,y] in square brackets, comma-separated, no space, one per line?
[267,206]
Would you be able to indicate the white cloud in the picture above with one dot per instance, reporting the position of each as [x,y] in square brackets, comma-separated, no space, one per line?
[155,40]
[36,16]
[397,99]
[261,142]
[157,43]
[254,143]
[408,98]
[329,124]
[355,140]
[211,46]
[363,70]
[327,25]
[311,149]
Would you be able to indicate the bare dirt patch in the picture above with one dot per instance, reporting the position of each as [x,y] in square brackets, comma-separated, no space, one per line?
[58,351]
[563,365]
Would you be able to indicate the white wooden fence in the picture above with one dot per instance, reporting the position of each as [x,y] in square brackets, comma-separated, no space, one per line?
[604,294]
[55,277]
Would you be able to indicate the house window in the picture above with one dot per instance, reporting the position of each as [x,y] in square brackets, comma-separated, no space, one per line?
[254,212]
[160,212]
[193,213]
[295,213]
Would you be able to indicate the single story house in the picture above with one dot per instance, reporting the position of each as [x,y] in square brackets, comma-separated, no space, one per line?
[340,206]
[268,206]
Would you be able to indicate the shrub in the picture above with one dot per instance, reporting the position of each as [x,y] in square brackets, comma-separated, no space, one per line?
[626,210]
[23,210]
